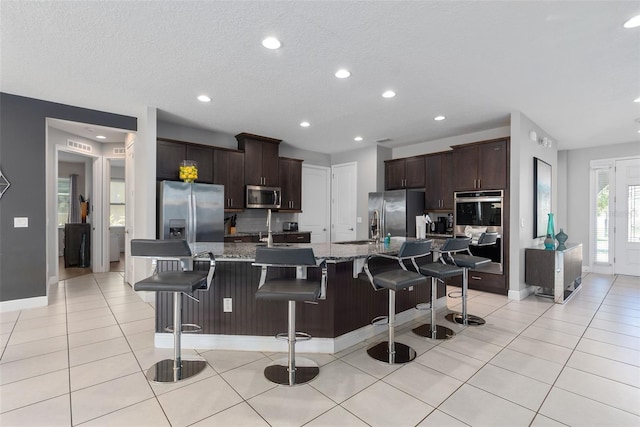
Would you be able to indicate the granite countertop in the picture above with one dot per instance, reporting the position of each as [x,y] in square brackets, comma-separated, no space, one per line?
[330,251]
[264,233]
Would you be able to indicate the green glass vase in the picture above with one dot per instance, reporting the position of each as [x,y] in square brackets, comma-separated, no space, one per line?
[549,240]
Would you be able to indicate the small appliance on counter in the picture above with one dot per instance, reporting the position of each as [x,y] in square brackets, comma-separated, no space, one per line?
[289,226]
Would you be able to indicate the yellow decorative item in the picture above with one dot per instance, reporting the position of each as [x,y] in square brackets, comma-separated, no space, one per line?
[189,171]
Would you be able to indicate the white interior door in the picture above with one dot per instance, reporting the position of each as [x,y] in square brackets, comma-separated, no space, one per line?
[316,202]
[344,192]
[627,218]
[128,208]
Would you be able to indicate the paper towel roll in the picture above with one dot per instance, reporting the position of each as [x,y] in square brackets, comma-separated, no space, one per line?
[421,227]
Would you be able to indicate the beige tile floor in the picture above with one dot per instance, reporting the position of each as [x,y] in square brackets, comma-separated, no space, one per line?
[81,361]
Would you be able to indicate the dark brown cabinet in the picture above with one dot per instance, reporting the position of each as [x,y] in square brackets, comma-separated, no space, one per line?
[77,245]
[169,155]
[260,159]
[228,170]
[438,194]
[291,184]
[298,237]
[241,239]
[480,165]
[404,173]
[204,157]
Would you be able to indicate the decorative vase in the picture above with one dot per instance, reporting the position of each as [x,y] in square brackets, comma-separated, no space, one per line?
[561,237]
[549,242]
[188,171]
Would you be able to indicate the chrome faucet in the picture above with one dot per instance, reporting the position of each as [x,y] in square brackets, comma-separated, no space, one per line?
[269,236]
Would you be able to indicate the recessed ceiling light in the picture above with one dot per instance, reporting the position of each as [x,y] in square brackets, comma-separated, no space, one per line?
[305,124]
[342,73]
[389,94]
[204,98]
[271,43]
[633,22]
[637,99]
[101,137]
[357,138]
[439,118]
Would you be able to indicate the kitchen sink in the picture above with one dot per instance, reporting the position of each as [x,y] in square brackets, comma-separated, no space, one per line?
[356,242]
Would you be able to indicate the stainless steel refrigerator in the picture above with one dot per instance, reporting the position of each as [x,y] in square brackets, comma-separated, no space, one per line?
[397,211]
[194,212]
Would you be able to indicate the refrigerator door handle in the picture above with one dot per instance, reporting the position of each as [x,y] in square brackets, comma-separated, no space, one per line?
[383,220]
[192,219]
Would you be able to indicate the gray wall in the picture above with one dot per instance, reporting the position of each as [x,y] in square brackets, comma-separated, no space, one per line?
[577,184]
[23,262]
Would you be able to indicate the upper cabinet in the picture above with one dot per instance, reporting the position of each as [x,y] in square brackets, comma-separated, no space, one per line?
[204,157]
[480,165]
[404,173]
[260,159]
[438,194]
[170,155]
[228,170]
[291,184]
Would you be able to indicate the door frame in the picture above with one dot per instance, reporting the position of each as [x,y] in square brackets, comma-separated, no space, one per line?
[326,203]
[335,192]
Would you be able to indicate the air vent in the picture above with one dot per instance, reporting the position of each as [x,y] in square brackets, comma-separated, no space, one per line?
[118,150]
[382,141]
[79,146]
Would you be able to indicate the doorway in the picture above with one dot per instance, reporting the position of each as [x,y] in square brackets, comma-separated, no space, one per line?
[77,143]
[344,192]
[316,202]
[627,217]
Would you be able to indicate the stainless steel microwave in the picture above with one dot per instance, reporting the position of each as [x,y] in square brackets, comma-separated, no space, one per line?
[259,197]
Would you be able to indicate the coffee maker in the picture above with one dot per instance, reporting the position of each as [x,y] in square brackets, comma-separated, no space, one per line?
[441,225]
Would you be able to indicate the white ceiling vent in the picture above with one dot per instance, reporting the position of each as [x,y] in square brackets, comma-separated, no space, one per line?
[118,150]
[79,146]
[382,141]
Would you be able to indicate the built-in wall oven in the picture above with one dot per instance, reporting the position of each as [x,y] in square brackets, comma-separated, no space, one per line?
[478,211]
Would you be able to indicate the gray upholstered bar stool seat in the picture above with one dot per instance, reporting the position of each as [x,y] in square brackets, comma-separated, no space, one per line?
[179,283]
[468,262]
[437,271]
[289,371]
[390,351]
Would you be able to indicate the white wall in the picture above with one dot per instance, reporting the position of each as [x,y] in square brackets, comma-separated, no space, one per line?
[523,150]
[577,184]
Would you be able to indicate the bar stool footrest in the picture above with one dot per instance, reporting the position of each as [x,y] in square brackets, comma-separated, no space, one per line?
[455,294]
[300,336]
[380,321]
[423,306]
[187,328]
[278,371]
[471,319]
[403,353]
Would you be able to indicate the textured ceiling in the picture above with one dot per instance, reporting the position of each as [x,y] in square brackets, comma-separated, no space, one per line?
[569,66]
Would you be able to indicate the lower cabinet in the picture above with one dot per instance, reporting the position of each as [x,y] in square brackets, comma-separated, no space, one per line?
[557,274]
[486,282]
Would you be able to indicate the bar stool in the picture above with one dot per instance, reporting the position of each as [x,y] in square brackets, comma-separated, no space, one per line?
[285,371]
[437,271]
[183,282]
[468,262]
[390,351]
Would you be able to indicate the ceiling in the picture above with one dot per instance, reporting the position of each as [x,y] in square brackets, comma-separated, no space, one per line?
[570,66]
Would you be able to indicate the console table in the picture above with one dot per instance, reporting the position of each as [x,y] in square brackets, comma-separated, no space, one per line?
[557,272]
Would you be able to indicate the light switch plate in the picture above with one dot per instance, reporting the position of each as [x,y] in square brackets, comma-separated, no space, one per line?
[20,222]
[227,306]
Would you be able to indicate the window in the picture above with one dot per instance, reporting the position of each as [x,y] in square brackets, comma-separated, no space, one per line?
[63,201]
[601,209]
[634,214]
[116,203]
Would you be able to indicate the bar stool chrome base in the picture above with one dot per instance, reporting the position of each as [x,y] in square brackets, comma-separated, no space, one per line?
[166,371]
[459,319]
[402,354]
[304,371]
[440,332]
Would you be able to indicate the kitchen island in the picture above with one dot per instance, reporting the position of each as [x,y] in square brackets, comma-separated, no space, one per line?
[342,320]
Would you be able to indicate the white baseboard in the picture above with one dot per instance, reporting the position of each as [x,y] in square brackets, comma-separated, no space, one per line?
[521,294]
[270,344]
[22,304]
